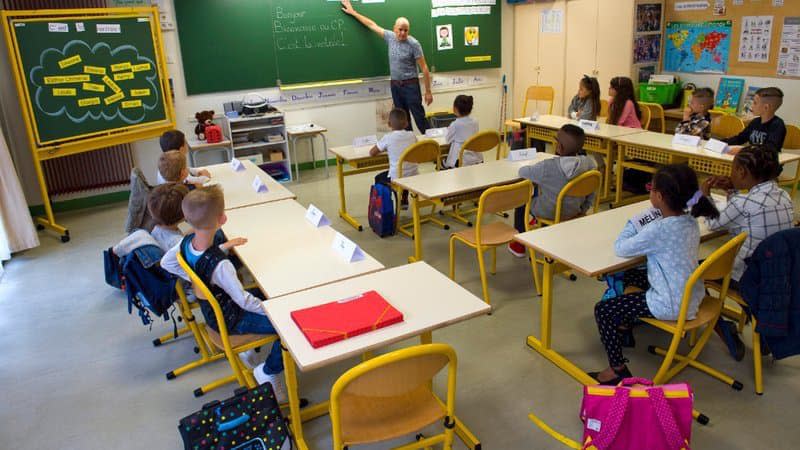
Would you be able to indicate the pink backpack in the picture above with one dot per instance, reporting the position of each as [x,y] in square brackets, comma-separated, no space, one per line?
[633,415]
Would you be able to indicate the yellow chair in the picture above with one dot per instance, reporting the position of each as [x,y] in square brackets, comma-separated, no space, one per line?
[716,267]
[645,119]
[425,151]
[791,144]
[724,126]
[231,345]
[656,113]
[390,396]
[603,108]
[490,236]
[480,142]
[581,187]
[533,94]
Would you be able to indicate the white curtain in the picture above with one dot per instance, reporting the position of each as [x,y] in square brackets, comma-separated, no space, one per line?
[17,232]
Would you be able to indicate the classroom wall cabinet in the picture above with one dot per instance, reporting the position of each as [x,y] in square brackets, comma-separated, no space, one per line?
[263,137]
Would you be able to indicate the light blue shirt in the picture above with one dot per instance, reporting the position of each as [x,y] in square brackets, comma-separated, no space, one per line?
[670,245]
[403,56]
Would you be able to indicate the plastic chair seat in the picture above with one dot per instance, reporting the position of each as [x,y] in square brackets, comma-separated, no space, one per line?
[492,234]
[373,419]
[237,340]
[709,309]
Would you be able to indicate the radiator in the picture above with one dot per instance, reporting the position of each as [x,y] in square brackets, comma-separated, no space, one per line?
[101,168]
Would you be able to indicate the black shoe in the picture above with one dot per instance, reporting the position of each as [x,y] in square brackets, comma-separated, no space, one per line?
[730,335]
[626,336]
[621,375]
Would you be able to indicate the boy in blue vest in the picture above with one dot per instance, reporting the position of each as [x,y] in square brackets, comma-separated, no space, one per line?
[204,210]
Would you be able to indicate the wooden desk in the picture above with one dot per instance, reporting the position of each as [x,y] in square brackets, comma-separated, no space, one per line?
[360,161]
[238,186]
[196,146]
[453,186]
[307,131]
[286,253]
[597,141]
[591,255]
[428,300]
[657,148]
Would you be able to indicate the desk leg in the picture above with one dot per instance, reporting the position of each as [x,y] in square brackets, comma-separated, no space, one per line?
[417,230]
[620,173]
[296,421]
[325,152]
[342,201]
[294,157]
[608,169]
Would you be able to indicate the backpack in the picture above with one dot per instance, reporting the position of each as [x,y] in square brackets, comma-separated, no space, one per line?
[382,210]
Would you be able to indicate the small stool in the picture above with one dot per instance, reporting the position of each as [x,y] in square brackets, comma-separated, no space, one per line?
[307,131]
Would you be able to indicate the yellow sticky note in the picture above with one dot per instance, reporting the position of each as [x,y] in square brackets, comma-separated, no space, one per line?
[121,67]
[66,79]
[94,70]
[71,61]
[140,92]
[123,76]
[141,67]
[471,59]
[114,98]
[132,104]
[89,101]
[108,81]
[94,87]
[64,92]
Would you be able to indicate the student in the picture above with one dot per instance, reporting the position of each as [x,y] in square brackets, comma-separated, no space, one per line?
[623,110]
[172,169]
[670,245]
[176,140]
[204,209]
[585,105]
[459,131]
[762,211]
[164,205]
[767,128]
[550,176]
[696,119]
[395,143]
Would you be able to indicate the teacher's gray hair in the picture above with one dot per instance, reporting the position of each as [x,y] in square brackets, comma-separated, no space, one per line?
[402,21]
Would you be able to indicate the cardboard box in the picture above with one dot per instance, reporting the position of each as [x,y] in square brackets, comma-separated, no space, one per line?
[276,155]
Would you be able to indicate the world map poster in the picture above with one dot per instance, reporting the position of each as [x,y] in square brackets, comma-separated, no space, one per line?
[697,46]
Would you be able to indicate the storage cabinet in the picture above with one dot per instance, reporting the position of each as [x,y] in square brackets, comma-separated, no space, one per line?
[262,137]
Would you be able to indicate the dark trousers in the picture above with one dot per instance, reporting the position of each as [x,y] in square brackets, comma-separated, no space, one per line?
[408,97]
[519,214]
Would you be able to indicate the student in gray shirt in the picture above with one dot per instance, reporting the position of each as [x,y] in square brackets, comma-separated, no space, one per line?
[586,103]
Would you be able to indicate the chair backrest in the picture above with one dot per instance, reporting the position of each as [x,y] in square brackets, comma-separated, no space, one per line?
[480,142]
[503,198]
[792,141]
[426,150]
[656,113]
[724,126]
[603,108]
[394,374]
[203,294]
[581,186]
[645,119]
[539,94]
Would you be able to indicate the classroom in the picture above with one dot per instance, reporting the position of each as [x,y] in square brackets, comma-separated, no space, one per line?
[466,224]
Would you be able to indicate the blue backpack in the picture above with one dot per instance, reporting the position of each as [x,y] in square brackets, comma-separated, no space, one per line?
[382,210]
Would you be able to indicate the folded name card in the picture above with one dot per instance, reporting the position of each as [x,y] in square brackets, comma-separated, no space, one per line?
[316,216]
[363,141]
[590,125]
[259,185]
[237,165]
[716,146]
[686,140]
[645,217]
[347,249]
[522,155]
[535,116]
[435,132]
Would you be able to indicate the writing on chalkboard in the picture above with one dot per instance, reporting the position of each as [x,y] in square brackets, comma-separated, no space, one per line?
[300,30]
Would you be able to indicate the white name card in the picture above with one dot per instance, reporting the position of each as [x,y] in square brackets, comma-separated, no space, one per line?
[522,155]
[590,125]
[363,141]
[259,185]
[535,116]
[347,249]
[686,140]
[435,132]
[716,146]
[316,216]
[645,217]
[237,165]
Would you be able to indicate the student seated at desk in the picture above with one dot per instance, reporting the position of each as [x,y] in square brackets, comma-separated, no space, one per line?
[176,140]
[164,205]
[204,209]
[767,128]
[762,211]
[459,131]
[172,169]
[696,119]
[623,110]
[395,143]
[550,176]
[670,245]
[585,105]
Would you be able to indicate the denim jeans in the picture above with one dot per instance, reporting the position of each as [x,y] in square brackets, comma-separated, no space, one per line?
[252,323]
[409,98]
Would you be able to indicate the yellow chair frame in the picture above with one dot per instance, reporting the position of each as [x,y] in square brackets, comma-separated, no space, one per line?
[240,372]
[791,144]
[424,151]
[401,378]
[646,116]
[537,94]
[480,142]
[716,267]
[493,200]
[656,113]
[603,108]
[724,126]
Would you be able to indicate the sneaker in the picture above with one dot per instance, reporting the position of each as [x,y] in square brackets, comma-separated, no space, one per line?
[249,358]
[517,249]
[276,380]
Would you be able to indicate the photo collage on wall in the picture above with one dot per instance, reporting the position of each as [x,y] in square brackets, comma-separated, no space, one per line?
[647,39]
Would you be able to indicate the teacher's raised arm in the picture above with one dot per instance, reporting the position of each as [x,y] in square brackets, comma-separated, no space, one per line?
[405,53]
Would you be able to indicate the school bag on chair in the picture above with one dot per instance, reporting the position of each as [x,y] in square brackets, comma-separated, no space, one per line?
[382,211]
[632,416]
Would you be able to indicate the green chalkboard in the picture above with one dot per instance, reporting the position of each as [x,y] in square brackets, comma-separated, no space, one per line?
[250,44]
[85,76]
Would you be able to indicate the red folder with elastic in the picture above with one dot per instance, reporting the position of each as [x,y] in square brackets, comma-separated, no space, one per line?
[336,321]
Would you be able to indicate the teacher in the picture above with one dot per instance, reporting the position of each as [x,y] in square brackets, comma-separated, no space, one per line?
[405,54]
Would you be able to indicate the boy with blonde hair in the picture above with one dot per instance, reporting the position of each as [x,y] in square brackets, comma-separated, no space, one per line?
[176,140]
[164,205]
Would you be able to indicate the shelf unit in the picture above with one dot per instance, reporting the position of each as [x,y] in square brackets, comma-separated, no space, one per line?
[249,136]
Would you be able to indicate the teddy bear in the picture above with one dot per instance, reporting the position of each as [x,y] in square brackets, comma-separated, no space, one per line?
[203,120]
